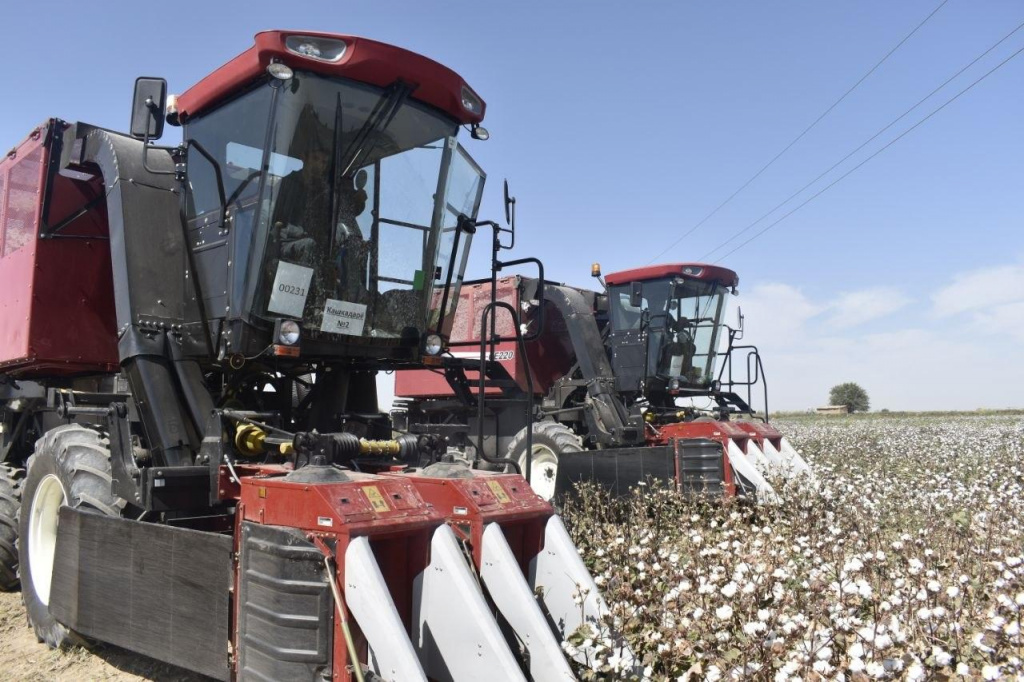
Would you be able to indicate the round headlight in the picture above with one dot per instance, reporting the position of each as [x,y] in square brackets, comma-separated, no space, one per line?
[280,71]
[673,385]
[433,344]
[289,333]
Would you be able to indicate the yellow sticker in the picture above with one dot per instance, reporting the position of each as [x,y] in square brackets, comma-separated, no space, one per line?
[499,492]
[377,500]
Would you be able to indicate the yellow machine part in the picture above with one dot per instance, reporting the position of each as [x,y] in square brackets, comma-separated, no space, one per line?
[250,440]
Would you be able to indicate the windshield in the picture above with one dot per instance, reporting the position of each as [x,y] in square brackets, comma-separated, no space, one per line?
[348,197]
[682,319]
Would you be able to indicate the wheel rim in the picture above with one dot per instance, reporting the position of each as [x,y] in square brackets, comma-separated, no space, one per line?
[544,471]
[42,534]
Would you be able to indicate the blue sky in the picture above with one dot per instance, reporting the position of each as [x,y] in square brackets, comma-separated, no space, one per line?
[621,125]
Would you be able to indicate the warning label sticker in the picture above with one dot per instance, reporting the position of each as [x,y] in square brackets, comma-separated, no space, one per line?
[377,500]
[291,286]
[499,492]
[342,317]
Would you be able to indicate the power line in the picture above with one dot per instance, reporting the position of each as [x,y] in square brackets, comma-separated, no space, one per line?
[889,144]
[799,137]
[863,144]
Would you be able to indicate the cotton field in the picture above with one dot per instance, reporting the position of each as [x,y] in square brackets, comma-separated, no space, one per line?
[904,561]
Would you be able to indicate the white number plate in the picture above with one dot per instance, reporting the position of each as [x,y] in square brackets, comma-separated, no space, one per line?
[291,286]
[342,317]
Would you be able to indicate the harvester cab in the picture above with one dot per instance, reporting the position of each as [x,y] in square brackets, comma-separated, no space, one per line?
[209,481]
[665,324]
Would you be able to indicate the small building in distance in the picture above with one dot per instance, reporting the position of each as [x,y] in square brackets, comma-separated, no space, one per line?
[833,409]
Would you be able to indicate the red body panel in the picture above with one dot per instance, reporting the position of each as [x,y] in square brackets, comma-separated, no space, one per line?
[762,432]
[389,511]
[723,432]
[469,504]
[712,273]
[364,60]
[550,356]
[57,307]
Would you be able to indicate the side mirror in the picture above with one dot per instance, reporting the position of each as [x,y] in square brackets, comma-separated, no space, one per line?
[148,108]
[739,320]
[636,294]
[510,209]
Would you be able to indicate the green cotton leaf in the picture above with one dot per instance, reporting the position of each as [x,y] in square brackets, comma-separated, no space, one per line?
[732,655]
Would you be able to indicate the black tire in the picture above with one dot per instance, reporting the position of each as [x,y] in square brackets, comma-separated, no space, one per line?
[553,439]
[10,501]
[79,458]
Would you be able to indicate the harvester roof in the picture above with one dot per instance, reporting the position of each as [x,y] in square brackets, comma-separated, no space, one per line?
[359,59]
[701,271]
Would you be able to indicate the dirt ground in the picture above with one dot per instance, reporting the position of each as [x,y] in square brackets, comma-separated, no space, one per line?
[23,658]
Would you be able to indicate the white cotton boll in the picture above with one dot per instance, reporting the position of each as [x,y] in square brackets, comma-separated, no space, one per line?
[963,669]
[924,614]
[941,656]
[875,670]
[855,650]
[934,586]
[729,589]
[713,673]
[915,672]
[724,612]
[855,665]
[953,592]
[822,667]
[991,672]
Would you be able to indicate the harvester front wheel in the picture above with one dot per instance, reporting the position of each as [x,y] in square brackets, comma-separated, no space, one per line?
[71,466]
[550,440]
[10,500]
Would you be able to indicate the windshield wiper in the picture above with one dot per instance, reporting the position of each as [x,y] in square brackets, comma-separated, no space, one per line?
[379,119]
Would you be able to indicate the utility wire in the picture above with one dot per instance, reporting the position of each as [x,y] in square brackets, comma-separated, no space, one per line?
[889,144]
[799,137]
[864,144]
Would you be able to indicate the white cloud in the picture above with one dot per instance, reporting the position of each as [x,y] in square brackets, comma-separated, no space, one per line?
[857,307]
[919,362]
[980,289]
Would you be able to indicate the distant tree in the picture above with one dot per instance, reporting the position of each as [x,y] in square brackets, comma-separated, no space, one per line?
[851,395]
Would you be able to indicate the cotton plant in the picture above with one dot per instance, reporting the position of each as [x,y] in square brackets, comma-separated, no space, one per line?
[904,561]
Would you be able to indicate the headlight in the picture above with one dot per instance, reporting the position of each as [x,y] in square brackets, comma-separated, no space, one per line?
[279,71]
[288,333]
[433,344]
[692,271]
[673,385]
[321,49]
[470,101]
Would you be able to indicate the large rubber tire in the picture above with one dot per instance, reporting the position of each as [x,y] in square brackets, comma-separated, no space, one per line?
[71,466]
[550,440]
[10,500]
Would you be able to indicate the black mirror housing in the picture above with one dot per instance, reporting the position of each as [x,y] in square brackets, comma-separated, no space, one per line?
[636,294]
[148,107]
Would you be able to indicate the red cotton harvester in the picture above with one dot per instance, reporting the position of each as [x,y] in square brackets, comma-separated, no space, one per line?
[189,337]
[624,382]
